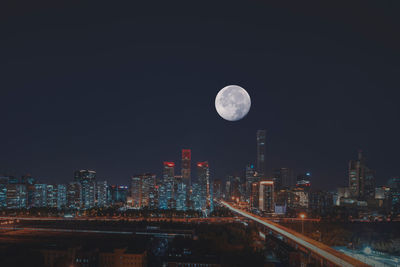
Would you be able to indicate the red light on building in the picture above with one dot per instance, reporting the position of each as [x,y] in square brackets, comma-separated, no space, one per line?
[169,163]
[202,164]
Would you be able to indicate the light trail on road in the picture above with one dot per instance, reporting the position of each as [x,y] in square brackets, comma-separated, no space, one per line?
[316,247]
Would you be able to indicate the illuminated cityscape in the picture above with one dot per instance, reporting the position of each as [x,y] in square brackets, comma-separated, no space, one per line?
[195,134]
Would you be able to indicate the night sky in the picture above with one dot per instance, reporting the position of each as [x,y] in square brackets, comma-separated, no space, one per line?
[121,88]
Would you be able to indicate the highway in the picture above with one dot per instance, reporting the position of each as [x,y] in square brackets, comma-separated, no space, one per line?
[322,250]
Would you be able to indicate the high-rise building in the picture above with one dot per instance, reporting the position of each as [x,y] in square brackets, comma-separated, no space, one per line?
[203,174]
[168,185]
[143,188]
[266,197]
[40,196]
[101,194]
[61,196]
[16,196]
[74,195]
[255,195]
[136,191]
[52,196]
[251,177]
[361,179]
[186,158]
[261,152]
[87,179]
[180,192]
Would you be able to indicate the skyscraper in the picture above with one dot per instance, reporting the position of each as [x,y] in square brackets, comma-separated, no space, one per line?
[143,190]
[251,177]
[186,158]
[40,195]
[87,180]
[51,195]
[74,195]
[261,152]
[61,196]
[136,191]
[266,197]
[361,179]
[168,196]
[101,194]
[180,192]
[203,174]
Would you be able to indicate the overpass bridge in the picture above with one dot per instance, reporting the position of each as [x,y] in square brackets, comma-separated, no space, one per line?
[321,253]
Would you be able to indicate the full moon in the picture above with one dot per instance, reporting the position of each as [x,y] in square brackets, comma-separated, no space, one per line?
[232,103]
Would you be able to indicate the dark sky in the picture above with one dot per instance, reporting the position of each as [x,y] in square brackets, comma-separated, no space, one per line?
[120,88]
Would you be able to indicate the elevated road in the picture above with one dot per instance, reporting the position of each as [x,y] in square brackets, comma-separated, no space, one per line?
[324,253]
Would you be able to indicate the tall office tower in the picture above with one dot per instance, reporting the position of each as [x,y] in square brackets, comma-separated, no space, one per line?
[266,197]
[217,189]
[40,196]
[16,196]
[261,153]
[255,195]
[168,184]
[203,174]
[149,194]
[74,195]
[61,196]
[52,196]
[30,182]
[180,192]
[3,191]
[87,179]
[101,193]
[251,177]
[186,157]
[143,190]
[136,191]
[361,178]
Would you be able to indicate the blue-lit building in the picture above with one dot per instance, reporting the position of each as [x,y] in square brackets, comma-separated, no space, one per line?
[168,186]
[87,179]
[203,179]
[3,191]
[61,196]
[40,196]
[180,193]
[16,196]
[52,195]
[251,177]
[101,194]
[74,195]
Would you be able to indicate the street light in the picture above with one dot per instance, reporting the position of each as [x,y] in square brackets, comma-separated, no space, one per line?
[302,216]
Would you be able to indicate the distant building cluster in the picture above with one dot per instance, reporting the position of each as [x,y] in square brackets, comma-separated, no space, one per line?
[85,192]
[282,192]
[278,191]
